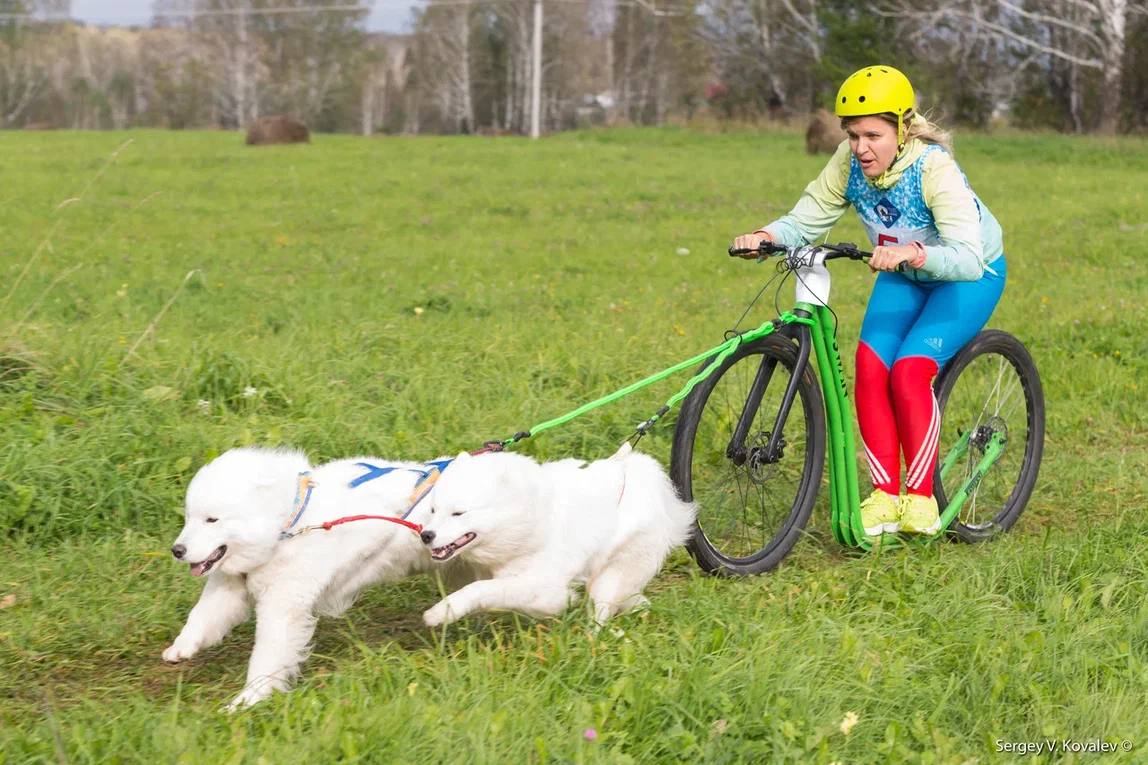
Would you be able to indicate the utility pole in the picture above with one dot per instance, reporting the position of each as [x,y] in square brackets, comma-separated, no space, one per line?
[536,95]
[241,70]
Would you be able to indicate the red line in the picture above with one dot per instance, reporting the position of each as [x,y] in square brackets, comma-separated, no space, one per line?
[416,528]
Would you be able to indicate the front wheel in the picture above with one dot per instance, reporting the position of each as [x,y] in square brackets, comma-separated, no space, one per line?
[752,501]
[989,390]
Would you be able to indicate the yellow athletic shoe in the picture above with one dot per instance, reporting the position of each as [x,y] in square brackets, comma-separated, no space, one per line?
[880,514]
[919,514]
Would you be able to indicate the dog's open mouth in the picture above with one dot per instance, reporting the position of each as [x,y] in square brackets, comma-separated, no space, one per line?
[444,552]
[201,568]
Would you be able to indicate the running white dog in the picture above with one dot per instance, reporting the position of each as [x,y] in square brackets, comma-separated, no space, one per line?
[238,505]
[540,529]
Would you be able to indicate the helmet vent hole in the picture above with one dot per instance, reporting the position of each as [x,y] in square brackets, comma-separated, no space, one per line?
[842,99]
[861,99]
[886,71]
[868,74]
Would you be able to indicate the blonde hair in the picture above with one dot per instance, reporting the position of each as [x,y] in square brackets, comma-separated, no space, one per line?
[917,126]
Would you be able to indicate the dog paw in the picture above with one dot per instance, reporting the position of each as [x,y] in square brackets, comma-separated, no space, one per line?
[437,615]
[247,698]
[177,652]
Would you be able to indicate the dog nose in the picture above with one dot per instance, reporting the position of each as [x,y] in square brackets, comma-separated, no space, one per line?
[178,551]
[427,537]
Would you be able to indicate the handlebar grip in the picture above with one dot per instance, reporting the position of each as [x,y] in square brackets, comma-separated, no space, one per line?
[759,251]
[765,248]
[902,267]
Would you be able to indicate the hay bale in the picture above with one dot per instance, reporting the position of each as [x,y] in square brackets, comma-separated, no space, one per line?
[824,133]
[277,129]
[39,126]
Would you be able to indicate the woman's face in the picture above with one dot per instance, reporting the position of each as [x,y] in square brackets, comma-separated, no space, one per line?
[873,142]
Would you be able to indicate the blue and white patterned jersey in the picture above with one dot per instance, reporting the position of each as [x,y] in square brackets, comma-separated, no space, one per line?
[928,200]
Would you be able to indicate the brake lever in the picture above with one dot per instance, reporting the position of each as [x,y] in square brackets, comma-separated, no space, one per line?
[848,249]
[766,248]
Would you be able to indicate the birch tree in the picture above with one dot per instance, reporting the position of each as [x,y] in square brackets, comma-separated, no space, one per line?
[1082,34]
[513,23]
[444,31]
[25,58]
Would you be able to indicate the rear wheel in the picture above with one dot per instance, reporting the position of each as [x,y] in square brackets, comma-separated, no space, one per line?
[752,505]
[991,387]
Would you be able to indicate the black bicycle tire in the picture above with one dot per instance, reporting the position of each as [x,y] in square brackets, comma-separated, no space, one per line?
[708,557]
[1014,351]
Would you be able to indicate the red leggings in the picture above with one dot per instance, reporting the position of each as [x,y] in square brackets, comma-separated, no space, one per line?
[910,330]
[896,409]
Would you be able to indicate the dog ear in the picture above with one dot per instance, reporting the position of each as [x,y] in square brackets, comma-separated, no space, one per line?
[504,474]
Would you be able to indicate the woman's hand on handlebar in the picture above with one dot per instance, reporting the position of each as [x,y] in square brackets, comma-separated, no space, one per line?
[751,242]
[889,257]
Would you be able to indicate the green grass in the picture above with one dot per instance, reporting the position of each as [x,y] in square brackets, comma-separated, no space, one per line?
[417,297]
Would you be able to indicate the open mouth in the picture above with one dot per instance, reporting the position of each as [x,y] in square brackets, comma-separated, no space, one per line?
[201,568]
[446,551]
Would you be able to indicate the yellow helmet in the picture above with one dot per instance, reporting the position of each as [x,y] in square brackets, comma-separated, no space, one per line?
[876,90]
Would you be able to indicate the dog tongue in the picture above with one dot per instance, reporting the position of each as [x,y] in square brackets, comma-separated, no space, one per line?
[197,569]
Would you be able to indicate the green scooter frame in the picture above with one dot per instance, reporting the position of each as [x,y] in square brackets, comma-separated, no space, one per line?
[844,495]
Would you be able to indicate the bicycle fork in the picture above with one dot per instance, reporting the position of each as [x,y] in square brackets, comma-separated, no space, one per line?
[808,331]
[737,450]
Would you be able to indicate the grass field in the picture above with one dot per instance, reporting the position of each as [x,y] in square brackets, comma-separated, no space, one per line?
[417,297]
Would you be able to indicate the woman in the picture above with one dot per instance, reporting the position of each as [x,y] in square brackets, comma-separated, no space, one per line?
[898,172]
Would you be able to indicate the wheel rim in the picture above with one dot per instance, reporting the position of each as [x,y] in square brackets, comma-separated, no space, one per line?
[989,396]
[743,509]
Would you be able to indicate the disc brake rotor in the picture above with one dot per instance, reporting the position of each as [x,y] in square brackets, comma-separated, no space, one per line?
[981,437]
[760,465]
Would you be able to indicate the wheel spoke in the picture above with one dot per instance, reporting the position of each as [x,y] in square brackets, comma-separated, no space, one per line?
[1012,386]
[743,493]
[761,491]
[723,495]
[992,393]
[1022,400]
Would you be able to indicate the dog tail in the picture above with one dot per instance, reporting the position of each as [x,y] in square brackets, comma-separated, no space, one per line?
[671,516]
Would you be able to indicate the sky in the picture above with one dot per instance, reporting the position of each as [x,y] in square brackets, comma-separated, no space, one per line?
[387,16]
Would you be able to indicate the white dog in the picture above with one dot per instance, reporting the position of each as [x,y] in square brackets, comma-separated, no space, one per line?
[540,529]
[238,505]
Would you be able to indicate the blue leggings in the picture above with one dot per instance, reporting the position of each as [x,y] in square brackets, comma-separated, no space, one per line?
[910,330]
[929,319]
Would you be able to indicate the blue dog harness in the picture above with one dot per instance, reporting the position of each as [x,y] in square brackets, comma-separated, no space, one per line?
[374,472]
[305,486]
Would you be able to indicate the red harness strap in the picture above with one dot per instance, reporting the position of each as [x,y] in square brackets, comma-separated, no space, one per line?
[416,528]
